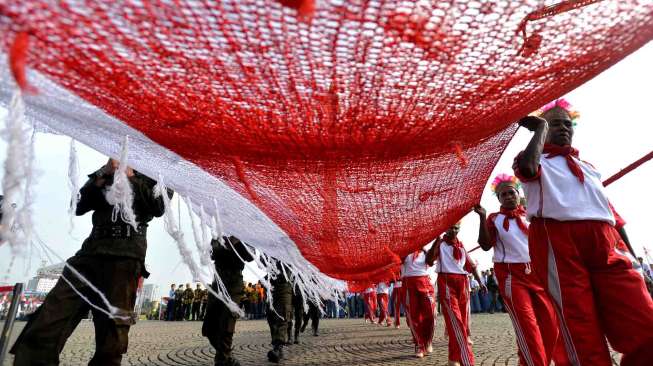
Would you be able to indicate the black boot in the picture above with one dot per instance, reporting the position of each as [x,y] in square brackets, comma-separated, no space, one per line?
[276,354]
[225,358]
[315,334]
[228,362]
[296,338]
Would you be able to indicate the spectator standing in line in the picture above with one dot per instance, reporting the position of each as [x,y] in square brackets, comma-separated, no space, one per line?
[493,289]
[179,303]
[188,301]
[197,302]
[205,301]
[474,295]
[170,308]
[260,301]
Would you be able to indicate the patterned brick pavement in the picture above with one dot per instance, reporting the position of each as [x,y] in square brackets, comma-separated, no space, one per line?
[341,342]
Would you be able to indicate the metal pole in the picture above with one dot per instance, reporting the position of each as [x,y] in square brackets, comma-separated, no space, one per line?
[9,322]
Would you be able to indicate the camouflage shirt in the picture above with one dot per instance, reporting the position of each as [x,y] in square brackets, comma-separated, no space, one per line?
[197,296]
[188,296]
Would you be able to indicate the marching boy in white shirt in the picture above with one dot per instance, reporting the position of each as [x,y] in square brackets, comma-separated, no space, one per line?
[576,251]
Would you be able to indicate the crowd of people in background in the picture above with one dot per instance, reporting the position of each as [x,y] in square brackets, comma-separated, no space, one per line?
[184,303]
[253,301]
[490,301]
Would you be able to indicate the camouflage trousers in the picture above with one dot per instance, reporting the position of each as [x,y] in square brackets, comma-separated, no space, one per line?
[47,330]
[298,316]
[280,319]
[219,322]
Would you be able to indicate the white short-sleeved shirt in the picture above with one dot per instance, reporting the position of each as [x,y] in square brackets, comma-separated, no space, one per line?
[558,194]
[382,288]
[397,284]
[511,246]
[473,284]
[415,266]
[369,290]
[446,262]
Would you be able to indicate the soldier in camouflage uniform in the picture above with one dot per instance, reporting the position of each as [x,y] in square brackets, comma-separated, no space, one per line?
[219,322]
[179,303]
[205,300]
[281,316]
[112,259]
[188,301]
[197,301]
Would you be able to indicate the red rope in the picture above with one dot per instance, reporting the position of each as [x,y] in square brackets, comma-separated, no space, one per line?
[532,43]
[561,7]
[628,169]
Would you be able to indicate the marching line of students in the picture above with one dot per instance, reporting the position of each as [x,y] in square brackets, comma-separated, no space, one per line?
[563,266]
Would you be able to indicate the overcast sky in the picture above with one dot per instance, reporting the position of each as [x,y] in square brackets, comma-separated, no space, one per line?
[613,131]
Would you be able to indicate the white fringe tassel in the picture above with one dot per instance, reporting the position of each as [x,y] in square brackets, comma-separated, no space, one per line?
[17,180]
[73,183]
[111,311]
[171,226]
[120,195]
[216,224]
[201,245]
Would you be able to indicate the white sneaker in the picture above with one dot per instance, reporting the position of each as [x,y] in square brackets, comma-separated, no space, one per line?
[419,353]
[429,349]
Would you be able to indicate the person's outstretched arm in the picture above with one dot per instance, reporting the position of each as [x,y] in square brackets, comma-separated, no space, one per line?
[528,162]
[484,236]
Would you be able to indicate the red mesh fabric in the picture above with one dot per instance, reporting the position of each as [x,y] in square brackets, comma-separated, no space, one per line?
[362,128]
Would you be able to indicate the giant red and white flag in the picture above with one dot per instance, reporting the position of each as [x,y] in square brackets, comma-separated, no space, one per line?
[335,135]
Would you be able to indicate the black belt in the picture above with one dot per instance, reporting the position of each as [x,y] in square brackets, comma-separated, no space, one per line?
[117,231]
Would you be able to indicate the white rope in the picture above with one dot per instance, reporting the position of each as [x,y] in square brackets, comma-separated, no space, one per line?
[120,194]
[207,236]
[112,312]
[73,183]
[216,227]
[24,214]
[5,279]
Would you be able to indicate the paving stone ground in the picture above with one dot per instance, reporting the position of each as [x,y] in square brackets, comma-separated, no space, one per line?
[342,342]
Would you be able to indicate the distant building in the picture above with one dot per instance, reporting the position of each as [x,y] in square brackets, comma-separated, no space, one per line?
[144,298]
[46,277]
[150,292]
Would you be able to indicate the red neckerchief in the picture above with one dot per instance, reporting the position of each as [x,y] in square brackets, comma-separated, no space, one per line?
[457,246]
[567,152]
[517,214]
